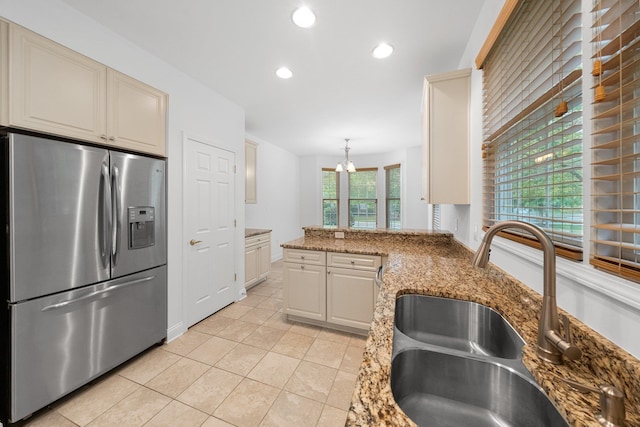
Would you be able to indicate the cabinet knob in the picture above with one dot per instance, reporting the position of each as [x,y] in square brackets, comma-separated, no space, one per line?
[103,137]
[302,257]
[111,138]
[302,267]
[353,262]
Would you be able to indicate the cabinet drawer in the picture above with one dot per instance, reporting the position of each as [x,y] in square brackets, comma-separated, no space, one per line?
[305,257]
[356,261]
[257,240]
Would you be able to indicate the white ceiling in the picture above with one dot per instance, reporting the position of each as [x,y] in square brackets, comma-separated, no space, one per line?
[338,89]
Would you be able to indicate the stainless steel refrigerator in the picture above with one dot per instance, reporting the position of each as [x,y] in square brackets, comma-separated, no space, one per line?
[83,266]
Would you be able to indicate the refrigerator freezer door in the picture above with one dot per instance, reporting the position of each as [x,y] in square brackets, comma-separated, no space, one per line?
[139,213]
[63,341]
[58,216]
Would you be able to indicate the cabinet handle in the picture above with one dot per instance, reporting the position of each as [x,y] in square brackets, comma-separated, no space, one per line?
[111,138]
[103,137]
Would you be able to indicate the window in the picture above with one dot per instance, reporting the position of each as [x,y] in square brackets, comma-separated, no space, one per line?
[615,245]
[533,124]
[392,175]
[363,203]
[330,197]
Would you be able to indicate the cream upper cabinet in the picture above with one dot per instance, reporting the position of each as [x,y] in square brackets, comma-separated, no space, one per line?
[445,148]
[4,73]
[250,183]
[54,89]
[137,114]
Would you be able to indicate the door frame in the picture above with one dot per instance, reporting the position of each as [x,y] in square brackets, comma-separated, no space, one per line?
[239,291]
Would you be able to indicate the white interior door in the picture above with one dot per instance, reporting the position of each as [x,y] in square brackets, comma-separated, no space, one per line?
[209,229]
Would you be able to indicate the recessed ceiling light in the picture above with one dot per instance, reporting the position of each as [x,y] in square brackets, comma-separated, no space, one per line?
[284,73]
[303,17]
[382,50]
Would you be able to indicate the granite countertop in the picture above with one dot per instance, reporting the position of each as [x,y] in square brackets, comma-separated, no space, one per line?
[435,264]
[250,232]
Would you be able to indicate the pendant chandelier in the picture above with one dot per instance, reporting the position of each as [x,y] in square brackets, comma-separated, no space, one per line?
[346,164]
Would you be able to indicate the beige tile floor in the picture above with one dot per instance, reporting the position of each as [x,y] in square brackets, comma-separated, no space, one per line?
[243,366]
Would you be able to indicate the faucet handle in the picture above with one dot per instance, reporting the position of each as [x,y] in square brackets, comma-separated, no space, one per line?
[563,344]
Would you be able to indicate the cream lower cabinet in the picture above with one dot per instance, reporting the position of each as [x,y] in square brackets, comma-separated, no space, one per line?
[257,259]
[56,90]
[341,295]
[304,276]
[351,289]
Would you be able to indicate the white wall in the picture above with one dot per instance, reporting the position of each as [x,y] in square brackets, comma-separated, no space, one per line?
[193,110]
[606,303]
[278,203]
[414,211]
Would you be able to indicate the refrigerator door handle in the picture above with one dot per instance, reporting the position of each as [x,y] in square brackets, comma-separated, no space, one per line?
[94,294]
[105,226]
[117,221]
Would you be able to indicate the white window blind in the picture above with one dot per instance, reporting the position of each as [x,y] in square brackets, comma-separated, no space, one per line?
[616,138]
[533,147]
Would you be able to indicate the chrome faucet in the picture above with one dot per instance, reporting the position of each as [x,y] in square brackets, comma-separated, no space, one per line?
[551,345]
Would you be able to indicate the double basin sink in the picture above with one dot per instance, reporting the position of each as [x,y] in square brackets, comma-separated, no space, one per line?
[459,363]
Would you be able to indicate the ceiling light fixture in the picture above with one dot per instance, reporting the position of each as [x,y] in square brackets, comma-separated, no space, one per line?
[284,73]
[346,164]
[383,50]
[303,17]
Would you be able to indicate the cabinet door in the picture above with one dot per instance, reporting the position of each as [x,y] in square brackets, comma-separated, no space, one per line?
[351,296]
[251,260]
[265,258]
[54,89]
[4,73]
[446,138]
[250,162]
[136,115]
[305,290]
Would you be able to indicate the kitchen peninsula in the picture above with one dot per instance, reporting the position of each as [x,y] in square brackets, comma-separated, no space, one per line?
[434,263]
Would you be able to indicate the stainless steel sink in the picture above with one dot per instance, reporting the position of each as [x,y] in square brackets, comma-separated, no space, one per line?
[438,389]
[458,325]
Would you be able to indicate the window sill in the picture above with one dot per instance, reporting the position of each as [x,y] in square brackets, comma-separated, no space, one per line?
[607,285]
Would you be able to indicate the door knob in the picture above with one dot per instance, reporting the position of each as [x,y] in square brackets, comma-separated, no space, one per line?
[193,242]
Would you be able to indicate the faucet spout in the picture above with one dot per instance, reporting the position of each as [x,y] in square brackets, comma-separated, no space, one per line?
[551,345]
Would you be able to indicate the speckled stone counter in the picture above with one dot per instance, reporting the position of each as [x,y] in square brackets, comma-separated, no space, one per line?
[250,232]
[435,264]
